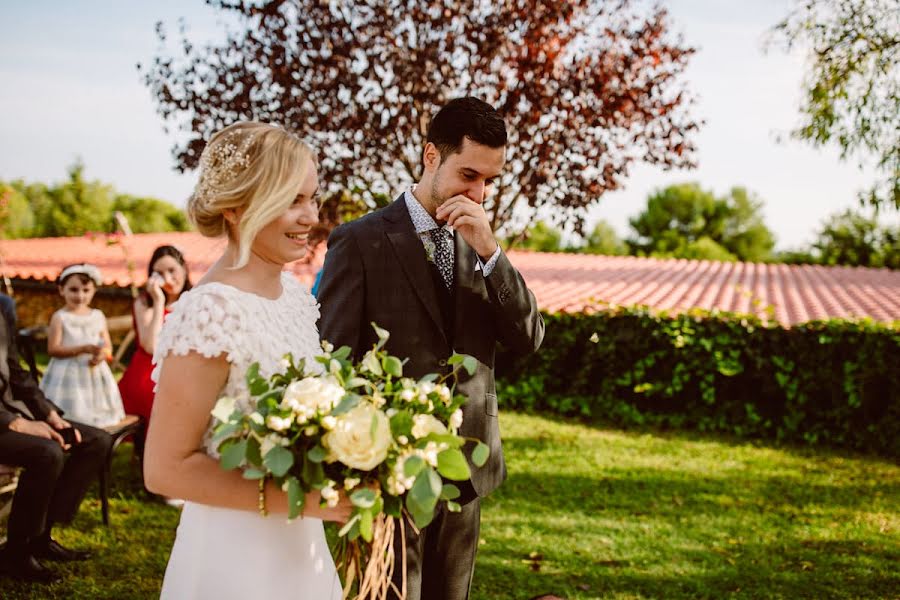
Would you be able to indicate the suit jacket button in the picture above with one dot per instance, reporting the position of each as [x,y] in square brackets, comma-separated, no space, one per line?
[442,362]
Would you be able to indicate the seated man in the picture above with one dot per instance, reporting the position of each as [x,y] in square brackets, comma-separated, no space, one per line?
[60,460]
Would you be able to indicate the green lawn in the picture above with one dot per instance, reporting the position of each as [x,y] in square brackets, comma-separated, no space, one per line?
[595,513]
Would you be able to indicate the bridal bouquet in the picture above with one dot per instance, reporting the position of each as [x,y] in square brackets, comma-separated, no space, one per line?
[388,441]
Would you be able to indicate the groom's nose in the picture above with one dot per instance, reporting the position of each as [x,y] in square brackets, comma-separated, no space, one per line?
[475,192]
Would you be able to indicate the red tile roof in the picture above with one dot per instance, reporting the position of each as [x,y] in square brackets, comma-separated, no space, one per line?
[561,282]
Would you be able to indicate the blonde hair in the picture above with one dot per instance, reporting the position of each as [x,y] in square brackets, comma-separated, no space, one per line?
[255,166]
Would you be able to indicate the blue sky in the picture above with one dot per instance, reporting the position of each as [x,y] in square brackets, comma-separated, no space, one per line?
[71,89]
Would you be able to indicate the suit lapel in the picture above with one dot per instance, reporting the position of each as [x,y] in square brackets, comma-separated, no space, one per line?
[408,247]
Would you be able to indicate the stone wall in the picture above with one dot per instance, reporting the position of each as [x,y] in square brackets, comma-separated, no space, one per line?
[36,301]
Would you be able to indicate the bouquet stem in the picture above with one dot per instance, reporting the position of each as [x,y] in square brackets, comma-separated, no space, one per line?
[375,565]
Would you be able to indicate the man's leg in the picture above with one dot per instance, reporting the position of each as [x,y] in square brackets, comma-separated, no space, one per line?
[81,469]
[451,542]
[43,461]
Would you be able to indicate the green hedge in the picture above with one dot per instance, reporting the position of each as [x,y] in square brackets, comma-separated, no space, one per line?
[833,382]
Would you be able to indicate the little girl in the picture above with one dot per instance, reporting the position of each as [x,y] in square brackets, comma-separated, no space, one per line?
[78,379]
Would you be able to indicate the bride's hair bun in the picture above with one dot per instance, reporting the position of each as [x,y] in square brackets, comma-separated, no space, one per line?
[252,166]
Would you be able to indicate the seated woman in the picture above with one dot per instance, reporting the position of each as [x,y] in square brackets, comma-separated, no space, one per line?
[167,279]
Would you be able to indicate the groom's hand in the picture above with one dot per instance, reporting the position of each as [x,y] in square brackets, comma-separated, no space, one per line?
[469,219]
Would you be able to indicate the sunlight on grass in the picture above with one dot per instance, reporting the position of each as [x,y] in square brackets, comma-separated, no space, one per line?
[589,513]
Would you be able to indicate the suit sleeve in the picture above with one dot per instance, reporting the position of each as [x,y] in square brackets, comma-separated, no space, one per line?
[520,325]
[22,385]
[342,291]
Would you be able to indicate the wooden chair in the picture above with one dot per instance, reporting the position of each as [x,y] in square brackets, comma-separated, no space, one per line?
[9,479]
[131,426]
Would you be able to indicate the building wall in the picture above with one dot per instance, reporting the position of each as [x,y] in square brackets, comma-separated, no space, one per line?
[36,301]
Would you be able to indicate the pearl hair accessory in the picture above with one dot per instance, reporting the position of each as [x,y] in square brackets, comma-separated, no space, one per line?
[221,164]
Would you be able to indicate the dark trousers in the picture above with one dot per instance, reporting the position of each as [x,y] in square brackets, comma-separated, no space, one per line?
[53,482]
[440,559]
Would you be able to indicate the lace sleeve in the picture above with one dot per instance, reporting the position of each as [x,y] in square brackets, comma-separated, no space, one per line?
[202,321]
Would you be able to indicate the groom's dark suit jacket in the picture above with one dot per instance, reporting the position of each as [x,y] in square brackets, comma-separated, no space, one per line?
[376,270]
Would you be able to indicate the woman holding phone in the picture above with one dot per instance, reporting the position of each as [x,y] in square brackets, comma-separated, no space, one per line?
[167,279]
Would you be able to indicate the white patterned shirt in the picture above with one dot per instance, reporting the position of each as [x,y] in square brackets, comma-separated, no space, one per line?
[423,222]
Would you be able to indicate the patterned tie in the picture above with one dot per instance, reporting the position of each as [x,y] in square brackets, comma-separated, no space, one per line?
[443,254]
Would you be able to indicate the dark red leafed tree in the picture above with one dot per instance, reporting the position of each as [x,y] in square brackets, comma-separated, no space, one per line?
[587,88]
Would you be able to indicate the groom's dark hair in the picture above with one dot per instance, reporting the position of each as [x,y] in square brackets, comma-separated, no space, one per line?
[466,118]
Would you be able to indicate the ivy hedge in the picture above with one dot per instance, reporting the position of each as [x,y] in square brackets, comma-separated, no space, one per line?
[834,382]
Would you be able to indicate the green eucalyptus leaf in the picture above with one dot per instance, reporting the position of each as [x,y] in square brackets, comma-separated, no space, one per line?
[341,353]
[401,424]
[278,460]
[452,465]
[226,430]
[449,492]
[365,525]
[296,497]
[317,454]
[453,506]
[253,474]
[470,364]
[253,456]
[413,465]
[392,366]
[347,403]
[480,454]
[364,498]
[233,455]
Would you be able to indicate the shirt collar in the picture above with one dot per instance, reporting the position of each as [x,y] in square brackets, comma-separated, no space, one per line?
[422,221]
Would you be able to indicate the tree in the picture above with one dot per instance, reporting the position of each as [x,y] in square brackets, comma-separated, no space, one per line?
[78,206]
[587,88]
[853,239]
[149,214]
[852,91]
[603,239]
[685,221]
[541,237]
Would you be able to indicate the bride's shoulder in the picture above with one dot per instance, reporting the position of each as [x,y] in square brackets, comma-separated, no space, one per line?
[296,290]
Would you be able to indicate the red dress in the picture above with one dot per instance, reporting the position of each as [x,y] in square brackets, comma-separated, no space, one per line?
[135,386]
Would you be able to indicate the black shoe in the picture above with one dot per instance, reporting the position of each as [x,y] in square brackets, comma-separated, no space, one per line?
[53,550]
[28,568]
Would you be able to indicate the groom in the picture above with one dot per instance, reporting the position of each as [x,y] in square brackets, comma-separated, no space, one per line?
[428,269]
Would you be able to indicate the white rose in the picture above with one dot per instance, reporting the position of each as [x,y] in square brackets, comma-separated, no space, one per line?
[277,423]
[351,441]
[426,424]
[312,394]
[329,422]
[456,419]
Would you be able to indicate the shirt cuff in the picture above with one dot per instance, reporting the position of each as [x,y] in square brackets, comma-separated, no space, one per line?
[488,267]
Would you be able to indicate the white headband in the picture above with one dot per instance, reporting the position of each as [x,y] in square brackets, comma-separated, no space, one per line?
[85,269]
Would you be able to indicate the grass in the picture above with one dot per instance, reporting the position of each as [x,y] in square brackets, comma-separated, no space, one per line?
[592,513]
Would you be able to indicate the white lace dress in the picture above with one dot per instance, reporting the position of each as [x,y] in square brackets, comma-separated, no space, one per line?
[222,553]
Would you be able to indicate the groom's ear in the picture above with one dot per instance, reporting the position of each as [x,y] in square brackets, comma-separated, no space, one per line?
[431,157]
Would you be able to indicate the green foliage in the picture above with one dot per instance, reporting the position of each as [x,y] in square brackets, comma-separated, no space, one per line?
[832,382]
[603,239]
[685,221]
[540,237]
[851,94]
[850,238]
[78,206]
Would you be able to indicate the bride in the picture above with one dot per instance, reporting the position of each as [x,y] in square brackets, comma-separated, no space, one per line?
[258,186]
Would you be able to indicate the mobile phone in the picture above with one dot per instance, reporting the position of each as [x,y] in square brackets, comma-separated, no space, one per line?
[68,435]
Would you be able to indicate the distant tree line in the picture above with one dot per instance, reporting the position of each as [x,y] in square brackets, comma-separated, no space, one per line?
[77,206]
[685,221]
